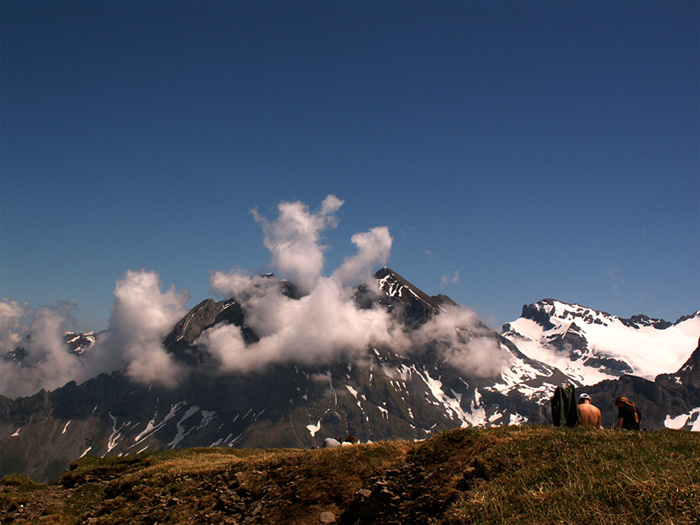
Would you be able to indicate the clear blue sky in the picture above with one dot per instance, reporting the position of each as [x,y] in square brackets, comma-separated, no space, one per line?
[530,149]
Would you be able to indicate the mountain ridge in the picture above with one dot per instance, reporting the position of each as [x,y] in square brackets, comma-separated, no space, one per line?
[385,392]
[592,346]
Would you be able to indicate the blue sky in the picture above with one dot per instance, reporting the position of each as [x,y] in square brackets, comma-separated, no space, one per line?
[515,150]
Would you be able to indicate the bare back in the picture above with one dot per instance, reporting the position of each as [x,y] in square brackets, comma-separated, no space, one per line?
[589,415]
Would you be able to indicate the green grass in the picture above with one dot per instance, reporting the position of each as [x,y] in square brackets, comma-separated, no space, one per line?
[536,475]
[586,476]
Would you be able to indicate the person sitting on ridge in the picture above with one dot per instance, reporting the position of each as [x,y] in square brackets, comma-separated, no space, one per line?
[331,442]
[589,415]
[628,417]
[350,440]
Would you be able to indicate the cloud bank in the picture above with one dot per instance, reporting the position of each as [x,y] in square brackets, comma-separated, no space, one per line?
[141,316]
[320,325]
[47,363]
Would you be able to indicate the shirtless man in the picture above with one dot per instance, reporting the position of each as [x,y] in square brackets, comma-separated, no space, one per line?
[589,415]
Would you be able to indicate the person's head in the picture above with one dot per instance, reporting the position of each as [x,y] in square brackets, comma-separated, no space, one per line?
[622,400]
[584,398]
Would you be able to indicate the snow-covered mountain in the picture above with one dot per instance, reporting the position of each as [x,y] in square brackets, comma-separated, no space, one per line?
[441,368]
[592,346]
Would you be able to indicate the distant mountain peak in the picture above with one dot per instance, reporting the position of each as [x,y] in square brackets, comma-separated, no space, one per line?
[397,287]
[546,309]
[592,345]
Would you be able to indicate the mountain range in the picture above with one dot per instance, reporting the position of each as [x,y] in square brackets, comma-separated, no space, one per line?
[444,369]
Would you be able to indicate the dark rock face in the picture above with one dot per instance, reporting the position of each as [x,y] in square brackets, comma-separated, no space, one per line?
[637,321]
[537,314]
[668,397]
[414,306]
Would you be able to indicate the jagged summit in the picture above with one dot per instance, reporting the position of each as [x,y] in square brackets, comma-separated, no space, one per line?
[393,285]
[542,310]
[417,305]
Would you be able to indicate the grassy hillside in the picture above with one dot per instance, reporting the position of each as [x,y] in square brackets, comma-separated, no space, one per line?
[512,475]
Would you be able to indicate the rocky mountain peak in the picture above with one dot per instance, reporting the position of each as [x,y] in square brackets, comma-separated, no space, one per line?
[543,312]
[180,341]
[416,305]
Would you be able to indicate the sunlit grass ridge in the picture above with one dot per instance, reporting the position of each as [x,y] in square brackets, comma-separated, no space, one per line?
[498,475]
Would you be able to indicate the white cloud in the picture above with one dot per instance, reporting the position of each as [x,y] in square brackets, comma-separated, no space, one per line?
[319,328]
[294,239]
[464,342]
[48,363]
[142,316]
[12,324]
[450,279]
[373,249]
[325,323]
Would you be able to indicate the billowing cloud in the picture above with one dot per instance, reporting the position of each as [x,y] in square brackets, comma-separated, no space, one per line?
[320,327]
[142,316]
[373,249]
[463,341]
[294,239]
[320,324]
[48,362]
[12,324]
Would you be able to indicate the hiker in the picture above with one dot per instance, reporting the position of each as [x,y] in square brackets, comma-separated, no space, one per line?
[350,440]
[588,414]
[628,417]
[332,442]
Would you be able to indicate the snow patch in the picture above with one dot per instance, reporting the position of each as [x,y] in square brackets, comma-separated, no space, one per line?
[691,421]
[153,427]
[116,434]
[453,406]
[313,429]
[181,432]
